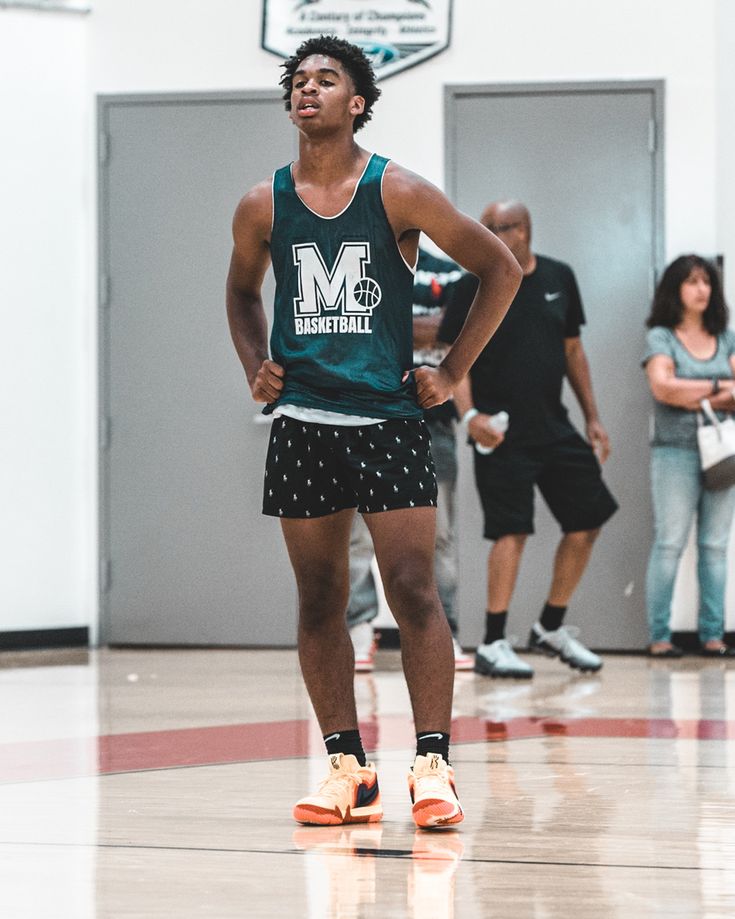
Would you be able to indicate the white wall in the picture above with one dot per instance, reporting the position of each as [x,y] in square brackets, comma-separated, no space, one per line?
[686,594]
[683,613]
[205,45]
[196,45]
[725,171]
[46,347]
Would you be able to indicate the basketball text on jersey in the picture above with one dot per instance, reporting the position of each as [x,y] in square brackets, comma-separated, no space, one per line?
[345,289]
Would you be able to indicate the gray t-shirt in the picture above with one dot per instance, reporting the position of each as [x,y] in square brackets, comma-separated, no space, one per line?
[677,427]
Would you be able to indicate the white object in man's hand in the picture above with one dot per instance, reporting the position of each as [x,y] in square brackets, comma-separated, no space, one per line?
[487,431]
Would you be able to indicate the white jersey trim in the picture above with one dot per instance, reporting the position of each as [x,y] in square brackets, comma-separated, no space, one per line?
[412,269]
[322,416]
[273,202]
[346,207]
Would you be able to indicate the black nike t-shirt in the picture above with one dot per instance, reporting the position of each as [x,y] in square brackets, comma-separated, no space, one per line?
[522,368]
[432,285]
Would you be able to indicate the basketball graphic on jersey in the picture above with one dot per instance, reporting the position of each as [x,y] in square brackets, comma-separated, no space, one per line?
[335,296]
[367,292]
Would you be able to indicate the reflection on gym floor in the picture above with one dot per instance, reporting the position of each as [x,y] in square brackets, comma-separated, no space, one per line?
[160,783]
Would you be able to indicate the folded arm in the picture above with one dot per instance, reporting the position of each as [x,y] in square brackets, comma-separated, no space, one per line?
[666,387]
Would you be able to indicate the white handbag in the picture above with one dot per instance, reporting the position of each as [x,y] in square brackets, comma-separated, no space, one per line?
[716,448]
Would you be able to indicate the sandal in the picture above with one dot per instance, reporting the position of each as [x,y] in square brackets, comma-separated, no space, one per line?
[723,651]
[671,652]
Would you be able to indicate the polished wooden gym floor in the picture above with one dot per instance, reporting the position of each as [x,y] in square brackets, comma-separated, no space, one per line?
[160,784]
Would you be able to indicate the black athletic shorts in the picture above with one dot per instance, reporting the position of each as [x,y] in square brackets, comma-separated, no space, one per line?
[568,476]
[317,469]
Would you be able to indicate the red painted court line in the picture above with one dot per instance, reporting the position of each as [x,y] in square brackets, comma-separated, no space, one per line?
[220,744]
[476,729]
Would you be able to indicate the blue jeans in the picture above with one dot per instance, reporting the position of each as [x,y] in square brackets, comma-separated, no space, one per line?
[678,498]
[363,604]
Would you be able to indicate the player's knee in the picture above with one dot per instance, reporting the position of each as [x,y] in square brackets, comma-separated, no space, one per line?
[410,590]
[322,596]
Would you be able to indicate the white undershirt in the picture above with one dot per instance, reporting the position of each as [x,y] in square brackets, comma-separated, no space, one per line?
[321,416]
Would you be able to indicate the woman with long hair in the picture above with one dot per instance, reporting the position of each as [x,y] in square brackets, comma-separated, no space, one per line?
[690,356]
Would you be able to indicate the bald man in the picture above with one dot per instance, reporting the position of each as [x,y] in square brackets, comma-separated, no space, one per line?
[521,372]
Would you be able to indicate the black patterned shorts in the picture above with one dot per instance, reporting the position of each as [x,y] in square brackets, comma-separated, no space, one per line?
[317,469]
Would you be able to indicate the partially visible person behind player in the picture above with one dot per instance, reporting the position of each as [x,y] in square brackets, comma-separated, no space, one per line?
[341,227]
[690,356]
[520,372]
[432,284]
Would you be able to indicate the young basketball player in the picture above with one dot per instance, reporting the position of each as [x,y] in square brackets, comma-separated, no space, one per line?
[341,227]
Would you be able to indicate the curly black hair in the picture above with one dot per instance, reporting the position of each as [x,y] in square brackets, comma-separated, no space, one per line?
[353,59]
[667,308]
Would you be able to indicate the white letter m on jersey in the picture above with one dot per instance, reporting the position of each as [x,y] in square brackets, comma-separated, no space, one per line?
[321,289]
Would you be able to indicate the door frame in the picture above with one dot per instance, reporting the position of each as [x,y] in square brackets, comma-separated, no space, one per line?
[105,103]
[455,91]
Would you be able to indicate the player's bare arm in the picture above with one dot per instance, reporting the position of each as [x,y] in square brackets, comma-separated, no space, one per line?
[414,205]
[245,313]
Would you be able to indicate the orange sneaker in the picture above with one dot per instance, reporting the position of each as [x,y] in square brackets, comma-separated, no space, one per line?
[349,794]
[434,797]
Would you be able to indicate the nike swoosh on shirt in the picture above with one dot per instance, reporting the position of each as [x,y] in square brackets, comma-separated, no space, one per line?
[555,296]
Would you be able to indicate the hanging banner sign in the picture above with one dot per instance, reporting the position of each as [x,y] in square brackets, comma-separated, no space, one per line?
[395,34]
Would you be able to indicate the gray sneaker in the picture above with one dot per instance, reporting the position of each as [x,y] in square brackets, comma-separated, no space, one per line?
[499,659]
[563,643]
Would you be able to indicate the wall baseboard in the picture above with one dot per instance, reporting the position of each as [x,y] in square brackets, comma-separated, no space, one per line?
[37,639]
[687,641]
[389,638]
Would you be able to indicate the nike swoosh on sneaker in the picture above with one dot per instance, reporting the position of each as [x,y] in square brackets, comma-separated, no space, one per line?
[549,297]
[444,818]
[366,794]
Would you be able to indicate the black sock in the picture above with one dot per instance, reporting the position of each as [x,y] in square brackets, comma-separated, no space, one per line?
[552,617]
[432,742]
[494,626]
[346,742]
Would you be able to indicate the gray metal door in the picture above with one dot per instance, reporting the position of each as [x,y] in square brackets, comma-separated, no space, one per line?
[585,161]
[186,556]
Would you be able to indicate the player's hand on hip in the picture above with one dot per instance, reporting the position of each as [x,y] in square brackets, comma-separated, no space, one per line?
[482,433]
[600,442]
[433,386]
[268,382]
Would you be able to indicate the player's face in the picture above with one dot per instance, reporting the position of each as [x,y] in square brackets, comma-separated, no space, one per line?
[323,95]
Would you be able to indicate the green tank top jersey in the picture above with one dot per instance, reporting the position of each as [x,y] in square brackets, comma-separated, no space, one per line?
[342,317]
